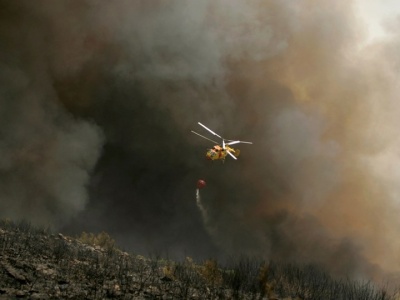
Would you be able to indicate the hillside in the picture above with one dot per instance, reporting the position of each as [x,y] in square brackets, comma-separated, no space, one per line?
[38,264]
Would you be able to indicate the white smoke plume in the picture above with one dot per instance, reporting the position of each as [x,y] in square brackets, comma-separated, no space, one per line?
[201,208]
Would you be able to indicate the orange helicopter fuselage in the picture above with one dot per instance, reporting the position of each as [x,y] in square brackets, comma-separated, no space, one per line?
[217,152]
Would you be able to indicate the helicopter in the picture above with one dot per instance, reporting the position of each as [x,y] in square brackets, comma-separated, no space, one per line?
[220,150]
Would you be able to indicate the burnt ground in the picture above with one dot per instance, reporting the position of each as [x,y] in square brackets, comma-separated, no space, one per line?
[38,264]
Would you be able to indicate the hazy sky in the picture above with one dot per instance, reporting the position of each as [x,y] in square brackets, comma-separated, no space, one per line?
[98,98]
[378,15]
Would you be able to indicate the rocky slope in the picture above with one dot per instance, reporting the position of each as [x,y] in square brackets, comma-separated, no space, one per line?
[37,264]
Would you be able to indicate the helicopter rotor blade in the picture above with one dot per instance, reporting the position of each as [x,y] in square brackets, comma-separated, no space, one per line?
[237,142]
[233,156]
[223,144]
[205,137]
[205,127]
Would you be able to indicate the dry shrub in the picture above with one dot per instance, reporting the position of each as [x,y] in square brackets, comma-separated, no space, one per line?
[102,239]
[211,273]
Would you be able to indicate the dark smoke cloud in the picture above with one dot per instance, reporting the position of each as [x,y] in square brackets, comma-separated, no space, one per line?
[46,153]
[98,99]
